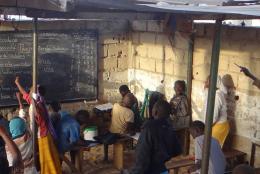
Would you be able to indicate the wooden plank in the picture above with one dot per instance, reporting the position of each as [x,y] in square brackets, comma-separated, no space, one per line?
[180,163]
[118,155]
[233,153]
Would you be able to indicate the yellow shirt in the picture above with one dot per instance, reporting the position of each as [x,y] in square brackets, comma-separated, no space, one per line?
[257,83]
[120,117]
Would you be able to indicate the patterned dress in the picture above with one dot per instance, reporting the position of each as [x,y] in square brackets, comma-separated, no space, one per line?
[180,112]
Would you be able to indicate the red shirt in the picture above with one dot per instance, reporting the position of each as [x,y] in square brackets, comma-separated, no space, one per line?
[40,116]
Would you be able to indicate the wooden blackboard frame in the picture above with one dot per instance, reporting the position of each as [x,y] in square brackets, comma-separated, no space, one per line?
[96,33]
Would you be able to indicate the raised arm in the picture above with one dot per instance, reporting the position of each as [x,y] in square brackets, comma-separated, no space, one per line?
[19,99]
[19,86]
[17,157]
[247,73]
[25,95]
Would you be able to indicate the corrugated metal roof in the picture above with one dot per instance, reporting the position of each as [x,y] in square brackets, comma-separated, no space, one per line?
[251,10]
[200,7]
[169,6]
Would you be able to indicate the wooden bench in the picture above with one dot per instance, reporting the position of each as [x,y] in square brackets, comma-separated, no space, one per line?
[176,165]
[233,157]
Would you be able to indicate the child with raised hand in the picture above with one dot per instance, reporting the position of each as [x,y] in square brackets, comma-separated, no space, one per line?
[217,162]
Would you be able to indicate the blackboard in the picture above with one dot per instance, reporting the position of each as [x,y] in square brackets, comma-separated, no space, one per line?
[67,64]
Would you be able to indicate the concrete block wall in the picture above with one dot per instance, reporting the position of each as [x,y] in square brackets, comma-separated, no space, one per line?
[156,56]
[241,46]
[113,51]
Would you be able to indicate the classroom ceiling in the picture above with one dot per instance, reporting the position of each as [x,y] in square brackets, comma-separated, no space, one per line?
[230,8]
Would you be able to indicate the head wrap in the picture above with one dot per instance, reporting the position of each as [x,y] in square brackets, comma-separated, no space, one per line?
[17,127]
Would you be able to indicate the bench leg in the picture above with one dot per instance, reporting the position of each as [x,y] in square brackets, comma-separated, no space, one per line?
[106,152]
[176,171]
[118,156]
[252,158]
[72,167]
[78,160]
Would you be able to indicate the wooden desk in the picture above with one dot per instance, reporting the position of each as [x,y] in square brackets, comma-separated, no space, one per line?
[253,149]
[118,152]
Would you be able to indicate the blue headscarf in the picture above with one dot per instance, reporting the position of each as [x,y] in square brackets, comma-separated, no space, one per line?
[17,127]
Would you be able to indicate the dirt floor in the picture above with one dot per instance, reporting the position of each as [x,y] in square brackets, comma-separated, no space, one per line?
[94,164]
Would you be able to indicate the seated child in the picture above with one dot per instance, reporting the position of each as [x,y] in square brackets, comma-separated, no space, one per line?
[217,162]
[23,139]
[243,169]
[122,116]
[83,118]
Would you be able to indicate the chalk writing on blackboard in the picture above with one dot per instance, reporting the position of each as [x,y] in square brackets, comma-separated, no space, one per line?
[67,64]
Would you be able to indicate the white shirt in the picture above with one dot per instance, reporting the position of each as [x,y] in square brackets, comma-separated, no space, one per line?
[220,109]
[217,161]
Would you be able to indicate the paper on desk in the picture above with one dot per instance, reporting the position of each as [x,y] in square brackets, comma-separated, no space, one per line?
[93,144]
[136,136]
[104,107]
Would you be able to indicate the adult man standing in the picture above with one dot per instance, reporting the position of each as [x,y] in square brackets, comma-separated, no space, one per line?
[157,143]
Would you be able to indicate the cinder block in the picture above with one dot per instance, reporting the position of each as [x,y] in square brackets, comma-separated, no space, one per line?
[113,50]
[108,39]
[180,70]
[139,25]
[179,55]
[223,63]
[155,51]
[135,38]
[134,62]
[147,64]
[198,58]
[122,63]
[245,83]
[203,44]
[159,66]
[169,52]
[200,30]
[137,62]
[243,34]
[118,50]
[210,30]
[164,67]
[169,67]
[147,38]
[254,66]
[245,61]
[201,72]
[181,40]
[162,39]
[155,26]
[123,50]
[141,50]
[110,63]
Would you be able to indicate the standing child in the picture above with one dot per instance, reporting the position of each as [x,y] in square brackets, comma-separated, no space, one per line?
[48,154]
[179,106]
[217,160]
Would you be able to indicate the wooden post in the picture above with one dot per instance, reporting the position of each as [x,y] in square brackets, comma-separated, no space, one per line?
[34,85]
[211,96]
[189,90]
